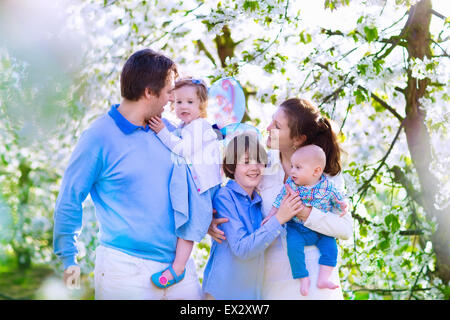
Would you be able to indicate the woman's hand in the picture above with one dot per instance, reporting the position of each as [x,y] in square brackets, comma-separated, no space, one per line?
[156,124]
[215,233]
[291,205]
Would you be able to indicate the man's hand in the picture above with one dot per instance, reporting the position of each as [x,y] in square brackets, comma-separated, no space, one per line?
[156,124]
[215,233]
[72,277]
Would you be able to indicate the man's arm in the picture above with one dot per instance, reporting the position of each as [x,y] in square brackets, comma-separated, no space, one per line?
[81,173]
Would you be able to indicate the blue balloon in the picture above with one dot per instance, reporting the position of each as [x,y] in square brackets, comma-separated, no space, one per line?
[226,103]
[234,129]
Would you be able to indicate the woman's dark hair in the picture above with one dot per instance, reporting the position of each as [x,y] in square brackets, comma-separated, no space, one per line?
[305,119]
[145,69]
[242,145]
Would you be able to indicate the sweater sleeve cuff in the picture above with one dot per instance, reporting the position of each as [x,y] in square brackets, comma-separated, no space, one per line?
[68,261]
[274,227]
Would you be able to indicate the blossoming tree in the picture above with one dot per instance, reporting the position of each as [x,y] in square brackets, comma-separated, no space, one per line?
[378,68]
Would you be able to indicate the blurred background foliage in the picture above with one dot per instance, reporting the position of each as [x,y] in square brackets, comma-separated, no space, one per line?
[378,68]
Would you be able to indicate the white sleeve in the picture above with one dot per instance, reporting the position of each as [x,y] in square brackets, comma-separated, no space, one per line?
[171,141]
[330,224]
[194,138]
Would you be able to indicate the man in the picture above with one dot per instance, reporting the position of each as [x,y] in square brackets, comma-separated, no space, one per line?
[126,169]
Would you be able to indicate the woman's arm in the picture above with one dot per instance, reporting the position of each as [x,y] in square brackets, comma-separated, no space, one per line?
[330,224]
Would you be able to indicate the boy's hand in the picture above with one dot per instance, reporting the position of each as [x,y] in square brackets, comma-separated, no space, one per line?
[215,233]
[156,124]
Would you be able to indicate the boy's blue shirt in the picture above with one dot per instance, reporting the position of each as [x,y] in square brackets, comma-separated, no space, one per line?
[236,266]
[126,170]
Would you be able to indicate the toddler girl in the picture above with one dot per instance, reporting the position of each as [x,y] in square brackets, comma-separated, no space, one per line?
[196,173]
[307,179]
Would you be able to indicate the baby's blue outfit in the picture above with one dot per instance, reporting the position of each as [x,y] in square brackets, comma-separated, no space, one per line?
[192,210]
[325,197]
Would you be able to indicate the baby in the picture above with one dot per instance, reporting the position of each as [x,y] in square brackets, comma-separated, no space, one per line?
[196,143]
[315,189]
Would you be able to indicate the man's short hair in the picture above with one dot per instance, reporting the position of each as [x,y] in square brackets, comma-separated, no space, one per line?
[145,69]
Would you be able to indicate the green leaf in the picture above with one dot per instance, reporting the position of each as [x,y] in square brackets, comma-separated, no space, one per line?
[371,33]
[392,222]
[362,69]
[251,5]
[361,295]
[360,96]
[363,231]
[305,37]
[269,67]
[273,99]
[378,65]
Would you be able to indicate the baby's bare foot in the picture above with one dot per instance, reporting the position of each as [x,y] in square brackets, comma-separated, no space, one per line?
[304,286]
[326,284]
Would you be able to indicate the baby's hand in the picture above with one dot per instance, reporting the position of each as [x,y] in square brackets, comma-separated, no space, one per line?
[272,212]
[156,124]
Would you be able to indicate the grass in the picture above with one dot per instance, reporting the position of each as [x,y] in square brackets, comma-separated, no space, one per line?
[25,285]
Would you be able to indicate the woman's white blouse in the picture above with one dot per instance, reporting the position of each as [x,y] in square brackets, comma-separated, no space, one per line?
[278,281]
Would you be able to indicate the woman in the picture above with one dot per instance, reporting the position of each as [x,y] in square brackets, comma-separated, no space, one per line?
[297,123]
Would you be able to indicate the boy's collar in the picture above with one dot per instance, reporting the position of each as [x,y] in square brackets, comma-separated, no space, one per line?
[236,187]
[124,125]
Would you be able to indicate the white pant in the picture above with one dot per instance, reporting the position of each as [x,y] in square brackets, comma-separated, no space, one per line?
[119,276]
[278,282]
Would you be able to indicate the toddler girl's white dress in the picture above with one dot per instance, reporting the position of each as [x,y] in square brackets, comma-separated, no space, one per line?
[195,176]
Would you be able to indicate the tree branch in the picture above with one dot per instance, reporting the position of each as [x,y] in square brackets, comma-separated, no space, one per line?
[443,50]
[201,47]
[417,279]
[437,14]
[400,177]
[416,232]
[388,290]
[383,160]
[401,35]
[363,189]
[386,106]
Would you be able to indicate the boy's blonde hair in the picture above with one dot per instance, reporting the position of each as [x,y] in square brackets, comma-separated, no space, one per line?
[201,90]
